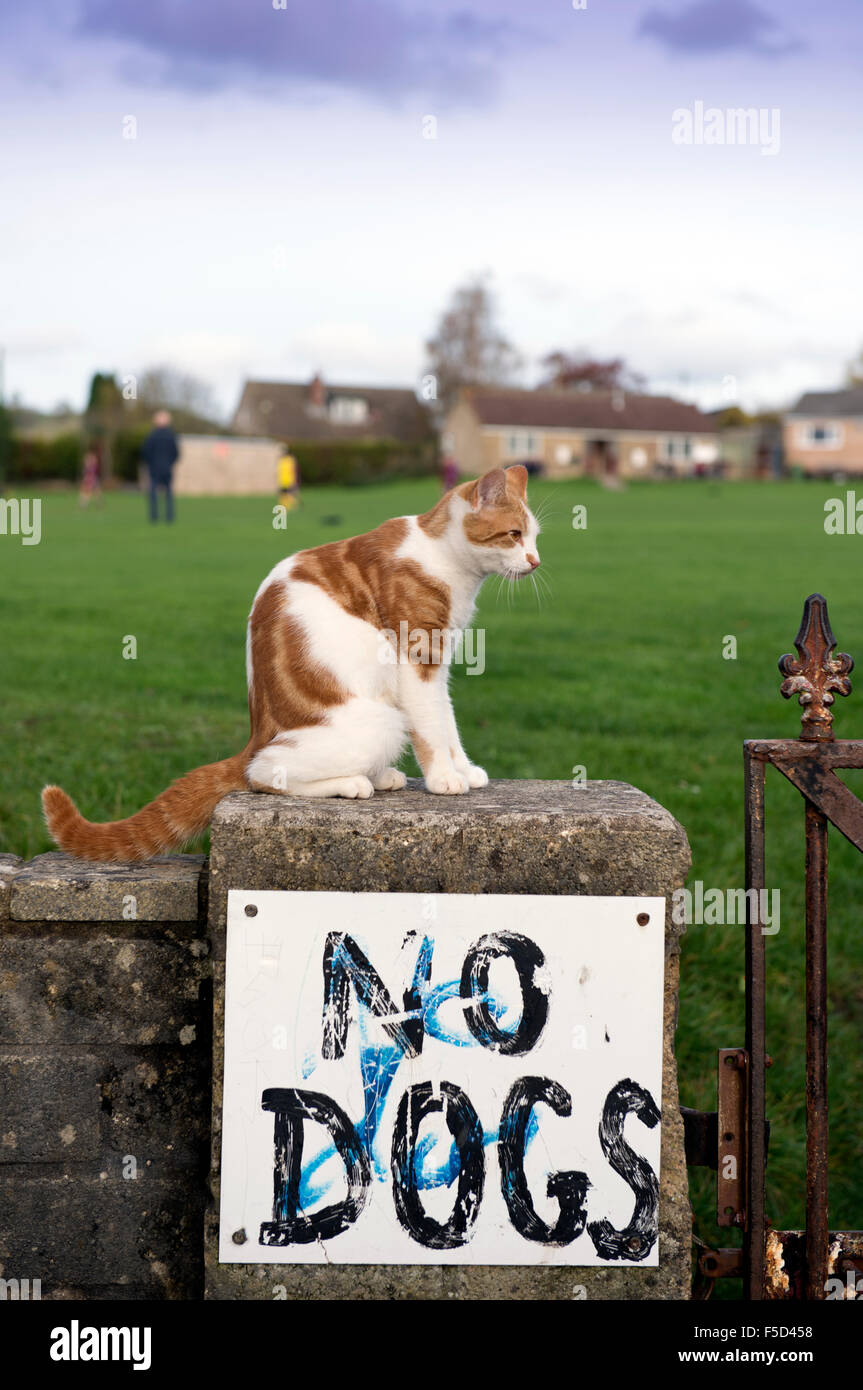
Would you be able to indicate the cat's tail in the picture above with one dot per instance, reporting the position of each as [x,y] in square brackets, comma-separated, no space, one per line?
[178,815]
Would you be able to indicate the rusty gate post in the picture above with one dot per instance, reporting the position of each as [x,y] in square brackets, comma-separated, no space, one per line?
[816,1053]
[756,1156]
[813,676]
[789,1264]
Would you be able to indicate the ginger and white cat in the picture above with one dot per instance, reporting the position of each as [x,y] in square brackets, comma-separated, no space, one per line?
[329,716]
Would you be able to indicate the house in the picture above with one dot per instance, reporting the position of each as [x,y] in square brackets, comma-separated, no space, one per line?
[824,432]
[752,450]
[295,412]
[572,433]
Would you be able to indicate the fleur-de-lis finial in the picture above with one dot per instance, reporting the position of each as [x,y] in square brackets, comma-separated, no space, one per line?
[815,673]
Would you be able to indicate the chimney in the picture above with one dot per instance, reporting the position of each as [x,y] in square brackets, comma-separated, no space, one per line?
[316,392]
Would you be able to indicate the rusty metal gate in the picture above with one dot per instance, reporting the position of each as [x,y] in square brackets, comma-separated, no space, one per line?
[733,1140]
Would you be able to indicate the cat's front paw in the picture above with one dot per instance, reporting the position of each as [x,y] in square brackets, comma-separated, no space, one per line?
[355,788]
[447,783]
[389,780]
[476,776]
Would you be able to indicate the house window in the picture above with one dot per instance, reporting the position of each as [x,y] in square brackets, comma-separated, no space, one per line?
[678,448]
[522,444]
[348,410]
[705,451]
[820,435]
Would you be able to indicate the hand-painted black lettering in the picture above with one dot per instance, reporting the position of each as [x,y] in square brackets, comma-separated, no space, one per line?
[289,1227]
[345,964]
[464,1126]
[639,1237]
[570,1188]
[527,959]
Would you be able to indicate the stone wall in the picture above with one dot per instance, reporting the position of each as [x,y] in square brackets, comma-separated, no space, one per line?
[105,1046]
[111,1030]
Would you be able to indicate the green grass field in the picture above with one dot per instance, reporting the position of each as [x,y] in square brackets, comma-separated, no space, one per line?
[619,669]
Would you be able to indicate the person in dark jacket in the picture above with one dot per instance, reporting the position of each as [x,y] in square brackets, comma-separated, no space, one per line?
[160,453]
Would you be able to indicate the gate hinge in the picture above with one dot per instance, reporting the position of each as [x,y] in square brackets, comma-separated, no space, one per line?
[717,1139]
[732,1131]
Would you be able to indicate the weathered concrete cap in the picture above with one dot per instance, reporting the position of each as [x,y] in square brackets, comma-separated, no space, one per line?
[9,863]
[509,837]
[59,888]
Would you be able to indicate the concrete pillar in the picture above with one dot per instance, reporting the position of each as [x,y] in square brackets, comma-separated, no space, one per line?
[105,1012]
[602,839]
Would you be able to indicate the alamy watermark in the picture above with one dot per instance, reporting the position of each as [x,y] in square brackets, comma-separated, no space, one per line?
[852,1287]
[734,125]
[77,1343]
[420,646]
[717,907]
[844,515]
[21,516]
[20,1290]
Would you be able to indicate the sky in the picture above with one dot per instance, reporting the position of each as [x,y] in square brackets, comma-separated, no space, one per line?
[248,188]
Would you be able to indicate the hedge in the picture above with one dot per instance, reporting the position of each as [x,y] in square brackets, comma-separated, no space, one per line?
[35,460]
[353,462]
[61,458]
[126,452]
[347,462]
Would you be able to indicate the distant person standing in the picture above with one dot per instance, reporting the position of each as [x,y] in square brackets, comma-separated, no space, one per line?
[160,452]
[289,481]
[449,472]
[91,481]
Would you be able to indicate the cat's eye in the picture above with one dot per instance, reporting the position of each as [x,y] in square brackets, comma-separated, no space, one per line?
[516,535]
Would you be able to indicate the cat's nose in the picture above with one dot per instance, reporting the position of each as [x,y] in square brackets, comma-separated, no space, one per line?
[533,561]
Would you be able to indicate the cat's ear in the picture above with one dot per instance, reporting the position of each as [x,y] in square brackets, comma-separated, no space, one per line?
[490,489]
[518,473]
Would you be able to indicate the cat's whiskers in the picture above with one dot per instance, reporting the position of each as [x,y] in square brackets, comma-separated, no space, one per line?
[542,585]
[546,509]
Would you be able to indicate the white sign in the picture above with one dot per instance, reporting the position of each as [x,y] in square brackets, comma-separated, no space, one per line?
[441,1079]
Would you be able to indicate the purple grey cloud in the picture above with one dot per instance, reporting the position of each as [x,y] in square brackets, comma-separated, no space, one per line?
[376,46]
[716,26]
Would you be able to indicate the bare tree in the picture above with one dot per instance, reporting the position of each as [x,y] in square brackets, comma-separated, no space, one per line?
[468,348]
[577,371]
[165,387]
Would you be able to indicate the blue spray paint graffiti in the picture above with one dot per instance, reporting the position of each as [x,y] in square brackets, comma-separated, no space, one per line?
[379,1066]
